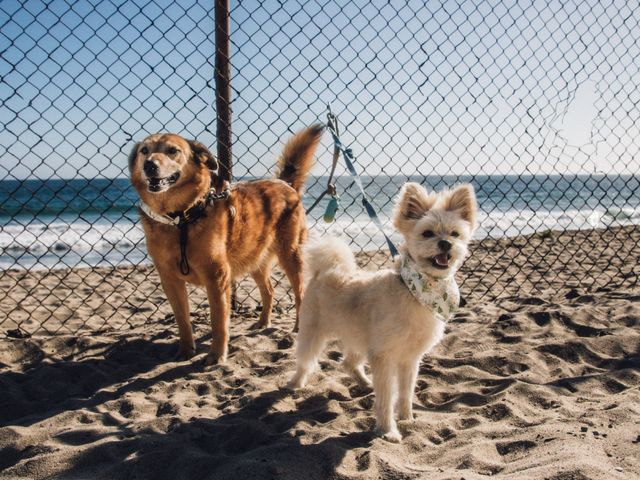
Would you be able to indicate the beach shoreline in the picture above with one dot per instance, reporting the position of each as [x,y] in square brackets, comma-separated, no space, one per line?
[71,300]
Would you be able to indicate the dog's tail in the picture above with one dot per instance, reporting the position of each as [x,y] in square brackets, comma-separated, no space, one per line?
[329,256]
[296,160]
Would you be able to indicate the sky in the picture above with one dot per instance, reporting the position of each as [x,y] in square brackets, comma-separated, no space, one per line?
[429,88]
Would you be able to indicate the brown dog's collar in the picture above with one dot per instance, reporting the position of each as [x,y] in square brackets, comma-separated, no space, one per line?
[190,215]
[165,219]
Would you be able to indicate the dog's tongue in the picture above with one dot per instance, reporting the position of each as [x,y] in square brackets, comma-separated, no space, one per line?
[442,260]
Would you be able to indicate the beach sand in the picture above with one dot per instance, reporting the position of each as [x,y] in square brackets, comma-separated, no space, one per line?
[538,377]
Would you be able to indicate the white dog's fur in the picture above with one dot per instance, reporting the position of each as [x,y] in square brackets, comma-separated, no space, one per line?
[373,313]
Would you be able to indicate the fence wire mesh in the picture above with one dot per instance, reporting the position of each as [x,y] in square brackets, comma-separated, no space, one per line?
[535,103]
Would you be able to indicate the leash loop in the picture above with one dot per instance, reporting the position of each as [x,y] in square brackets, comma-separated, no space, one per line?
[349,159]
[332,123]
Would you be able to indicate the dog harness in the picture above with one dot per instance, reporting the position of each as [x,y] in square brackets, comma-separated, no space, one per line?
[183,219]
[441,294]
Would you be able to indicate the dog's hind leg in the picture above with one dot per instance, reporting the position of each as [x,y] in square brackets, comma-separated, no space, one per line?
[384,386]
[309,345]
[176,291]
[353,363]
[407,375]
[261,277]
[291,262]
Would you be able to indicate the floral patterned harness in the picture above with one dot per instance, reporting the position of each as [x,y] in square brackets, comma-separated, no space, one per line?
[441,294]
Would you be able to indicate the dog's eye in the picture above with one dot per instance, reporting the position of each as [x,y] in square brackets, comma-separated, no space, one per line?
[172,150]
[428,234]
[455,234]
[144,150]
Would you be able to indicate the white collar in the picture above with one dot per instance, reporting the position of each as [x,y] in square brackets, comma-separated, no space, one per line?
[441,294]
[208,199]
[166,219]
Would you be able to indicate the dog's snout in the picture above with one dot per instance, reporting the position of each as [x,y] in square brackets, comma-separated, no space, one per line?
[150,168]
[444,245]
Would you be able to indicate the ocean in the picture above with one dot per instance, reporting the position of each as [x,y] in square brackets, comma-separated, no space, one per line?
[79,223]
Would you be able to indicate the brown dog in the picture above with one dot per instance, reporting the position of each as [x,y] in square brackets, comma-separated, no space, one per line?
[209,238]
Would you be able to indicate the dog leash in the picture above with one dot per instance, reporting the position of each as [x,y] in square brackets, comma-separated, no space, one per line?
[332,207]
[347,154]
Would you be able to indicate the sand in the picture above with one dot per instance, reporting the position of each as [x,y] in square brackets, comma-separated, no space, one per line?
[538,377]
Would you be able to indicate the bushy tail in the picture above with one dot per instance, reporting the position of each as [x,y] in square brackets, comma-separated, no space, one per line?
[329,256]
[296,160]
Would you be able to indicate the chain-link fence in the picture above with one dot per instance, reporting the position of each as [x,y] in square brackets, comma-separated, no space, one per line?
[535,103]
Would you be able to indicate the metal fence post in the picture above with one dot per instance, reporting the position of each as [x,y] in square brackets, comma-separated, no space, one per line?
[223,91]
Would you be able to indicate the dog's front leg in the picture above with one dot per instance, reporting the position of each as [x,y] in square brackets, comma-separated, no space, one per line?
[219,294]
[176,291]
[407,374]
[384,387]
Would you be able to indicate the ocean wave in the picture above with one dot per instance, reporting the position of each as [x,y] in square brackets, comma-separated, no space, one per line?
[37,242]
[525,222]
[363,233]
[61,244]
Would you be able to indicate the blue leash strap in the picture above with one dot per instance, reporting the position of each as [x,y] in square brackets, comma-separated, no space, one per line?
[347,154]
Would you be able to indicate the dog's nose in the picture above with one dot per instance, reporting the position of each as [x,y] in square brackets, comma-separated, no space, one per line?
[444,245]
[150,168]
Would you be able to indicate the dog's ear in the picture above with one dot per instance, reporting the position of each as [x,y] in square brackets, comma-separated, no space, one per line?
[462,200]
[413,202]
[132,156]
[201,154]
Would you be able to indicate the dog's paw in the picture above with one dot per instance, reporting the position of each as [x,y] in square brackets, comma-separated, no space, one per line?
[294,384]
[260,325]
[298,380]
[289,387]
[392,436]
[185,353]
[213,358]
[405,414]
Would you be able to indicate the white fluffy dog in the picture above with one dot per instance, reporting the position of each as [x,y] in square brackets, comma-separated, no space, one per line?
[392,317]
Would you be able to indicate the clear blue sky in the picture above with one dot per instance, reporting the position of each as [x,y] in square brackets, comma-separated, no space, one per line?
[421,87]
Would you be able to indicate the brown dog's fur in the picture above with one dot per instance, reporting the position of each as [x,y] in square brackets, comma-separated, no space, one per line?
[261,220]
